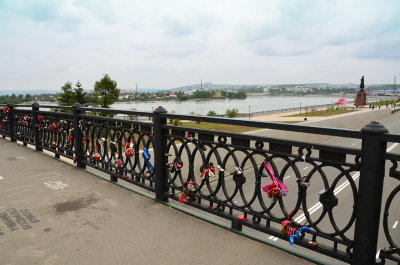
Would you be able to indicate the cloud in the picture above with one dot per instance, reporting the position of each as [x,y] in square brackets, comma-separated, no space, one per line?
[170,43]
[32,10]
[303,27]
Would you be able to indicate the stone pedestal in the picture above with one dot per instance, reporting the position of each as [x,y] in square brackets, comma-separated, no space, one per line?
[361,98]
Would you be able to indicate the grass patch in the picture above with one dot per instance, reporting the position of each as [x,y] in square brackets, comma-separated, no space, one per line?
[291,122]
[395,110]
[321,113]
[383,103]
[223,127]
[218,127]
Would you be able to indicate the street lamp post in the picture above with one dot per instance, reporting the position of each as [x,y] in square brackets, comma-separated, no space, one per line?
[249,112]
[300,108]
[152,109]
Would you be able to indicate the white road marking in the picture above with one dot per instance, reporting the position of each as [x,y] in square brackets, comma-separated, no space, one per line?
[346,183]
[20,157]
[1,178]
[305,168]
[275,239]
[353,144]
[318,205]
[377,254]
[51,186]
[395,224]
[391,147]
[270,237]
[286,177]
[57,185]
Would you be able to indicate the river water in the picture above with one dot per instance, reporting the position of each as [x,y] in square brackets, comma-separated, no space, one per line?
[256,103]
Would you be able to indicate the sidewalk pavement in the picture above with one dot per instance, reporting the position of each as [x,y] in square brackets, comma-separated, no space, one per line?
[282,117]
[53,213]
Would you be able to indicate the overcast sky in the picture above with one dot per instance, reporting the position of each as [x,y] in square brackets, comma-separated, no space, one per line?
[166,44]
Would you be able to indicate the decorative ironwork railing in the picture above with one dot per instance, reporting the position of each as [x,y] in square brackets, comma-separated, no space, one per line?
[224,174]
[287,189]
[391,251]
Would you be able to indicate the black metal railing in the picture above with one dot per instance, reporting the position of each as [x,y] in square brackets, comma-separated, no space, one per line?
[224,174]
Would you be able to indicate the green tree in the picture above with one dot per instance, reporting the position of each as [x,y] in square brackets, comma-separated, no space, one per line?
[212,113]
[14,99]
[131,116]
[232,113]
[65,98]
[78,95]
[202,94]
[28,97]
[105,92]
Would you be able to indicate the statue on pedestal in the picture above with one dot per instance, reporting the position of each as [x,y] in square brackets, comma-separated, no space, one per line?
[361,97]
[362,84]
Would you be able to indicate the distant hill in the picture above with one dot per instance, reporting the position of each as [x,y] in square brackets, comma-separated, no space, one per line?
[141,90]
[32,92]
[207,86]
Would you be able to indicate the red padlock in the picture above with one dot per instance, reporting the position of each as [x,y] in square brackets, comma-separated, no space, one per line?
[96,156]
[129,152]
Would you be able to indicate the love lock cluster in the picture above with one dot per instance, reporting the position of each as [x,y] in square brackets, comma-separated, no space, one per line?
[7,110]
[276,189]
[208,171]
[129,149]
[40,120]
[292,232]
[188,192]
[118,166]
[24,119]
[192,138]
[96,156]
[174,166]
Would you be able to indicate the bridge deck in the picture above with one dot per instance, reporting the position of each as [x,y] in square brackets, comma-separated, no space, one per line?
[54,213]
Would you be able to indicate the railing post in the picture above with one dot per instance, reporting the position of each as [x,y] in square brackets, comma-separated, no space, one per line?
[78,136]
[160,149]
[11,122]
[369,194]
[35,123]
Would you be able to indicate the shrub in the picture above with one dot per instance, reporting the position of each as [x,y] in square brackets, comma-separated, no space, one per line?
[176,122]
[232,113]
[212,113]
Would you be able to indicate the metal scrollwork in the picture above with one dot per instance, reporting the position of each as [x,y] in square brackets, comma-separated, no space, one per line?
[239,175]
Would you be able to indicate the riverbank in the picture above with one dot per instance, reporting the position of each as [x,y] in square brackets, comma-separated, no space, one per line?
[284,117]
[255,105]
